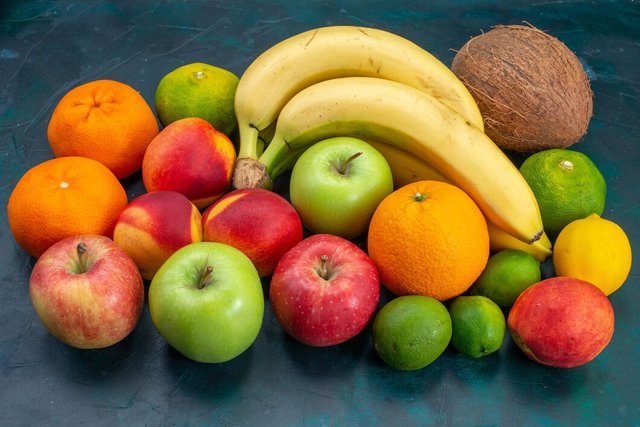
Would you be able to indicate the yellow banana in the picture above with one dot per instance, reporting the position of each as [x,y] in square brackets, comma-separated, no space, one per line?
[331,52]
[500,240]
[407,168]
[416,122]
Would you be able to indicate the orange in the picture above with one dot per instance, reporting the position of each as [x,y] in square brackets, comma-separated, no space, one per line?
[428,238]
[64,197]
[104,120]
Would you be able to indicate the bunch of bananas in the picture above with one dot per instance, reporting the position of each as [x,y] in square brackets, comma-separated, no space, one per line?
[381,87]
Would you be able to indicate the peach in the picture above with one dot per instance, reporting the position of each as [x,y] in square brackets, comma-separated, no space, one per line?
[154,225]
[260,223]
[191,157]
[562,322]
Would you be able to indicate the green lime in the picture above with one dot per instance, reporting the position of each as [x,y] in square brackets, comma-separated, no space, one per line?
[411,331]
[567,186]
[198,90]
[506,275]
[478,325]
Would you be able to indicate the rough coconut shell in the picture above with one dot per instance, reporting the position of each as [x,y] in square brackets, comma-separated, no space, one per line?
[530,87]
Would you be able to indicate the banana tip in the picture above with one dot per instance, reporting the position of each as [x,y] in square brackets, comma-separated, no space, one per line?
[536,237]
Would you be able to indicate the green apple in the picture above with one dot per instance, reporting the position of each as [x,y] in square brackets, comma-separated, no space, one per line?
[336,185]
[207,302]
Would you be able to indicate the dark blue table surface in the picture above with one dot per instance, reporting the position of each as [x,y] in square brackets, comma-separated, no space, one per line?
[48,47]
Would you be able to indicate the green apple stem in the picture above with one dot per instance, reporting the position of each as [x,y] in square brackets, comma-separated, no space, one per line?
[203,282]
[343,168]
[81,249]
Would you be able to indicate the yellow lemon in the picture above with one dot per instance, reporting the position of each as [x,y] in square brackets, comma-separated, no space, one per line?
[593,249]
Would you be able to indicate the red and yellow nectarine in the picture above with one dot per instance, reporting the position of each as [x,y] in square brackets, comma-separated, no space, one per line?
[261,223]
[562,322]
[191,157]
[154,225]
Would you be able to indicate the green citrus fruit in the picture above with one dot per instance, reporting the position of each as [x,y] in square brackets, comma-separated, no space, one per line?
[478,325]
[567,186]
[198,90]
[506,275]
[411,331]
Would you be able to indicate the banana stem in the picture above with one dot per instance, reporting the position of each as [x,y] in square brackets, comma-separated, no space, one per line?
[287,163]
[248,141]
[278,158]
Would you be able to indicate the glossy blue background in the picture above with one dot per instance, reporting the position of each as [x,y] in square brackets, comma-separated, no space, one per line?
[48,47]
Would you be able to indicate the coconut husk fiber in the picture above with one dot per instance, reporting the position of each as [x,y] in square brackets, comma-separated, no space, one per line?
[531,89]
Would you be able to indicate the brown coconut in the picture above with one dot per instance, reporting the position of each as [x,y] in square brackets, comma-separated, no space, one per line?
[531,89]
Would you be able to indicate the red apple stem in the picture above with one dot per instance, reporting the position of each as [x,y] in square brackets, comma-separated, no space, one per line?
[344,167]
[204,276]
[322,271]
[81,249]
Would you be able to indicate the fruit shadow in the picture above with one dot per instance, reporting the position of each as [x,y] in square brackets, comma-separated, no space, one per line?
[93,366]
[321,362]
[110,365]
[470,371]
[207,381]
[533,382]
[399,385]
[335,361]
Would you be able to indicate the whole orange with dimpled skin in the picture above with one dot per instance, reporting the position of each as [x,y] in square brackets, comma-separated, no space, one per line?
[428,238]
[104,120]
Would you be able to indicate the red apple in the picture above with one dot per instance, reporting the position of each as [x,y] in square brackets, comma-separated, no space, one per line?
[562,322]
[324,290]
[261,223]
[87,291]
